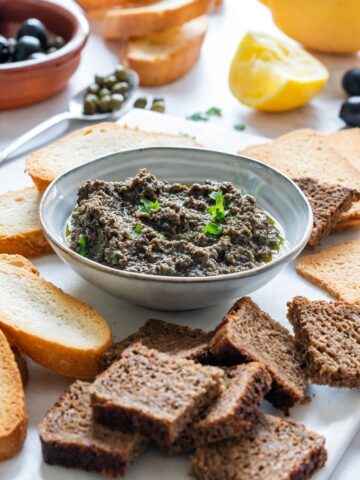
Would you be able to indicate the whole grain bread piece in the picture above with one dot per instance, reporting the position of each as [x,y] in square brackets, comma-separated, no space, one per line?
[20,229]
[273,449]
[53,328]
[153,393]
[328,334]
[328,202]
[124,23]
[93,142]
[232,413]
[13,418]
[166,56]
[247,334]
[166,337]
[306,153]
[72,438]
[336,269]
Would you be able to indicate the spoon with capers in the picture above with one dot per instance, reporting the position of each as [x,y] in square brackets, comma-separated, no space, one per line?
[105,99]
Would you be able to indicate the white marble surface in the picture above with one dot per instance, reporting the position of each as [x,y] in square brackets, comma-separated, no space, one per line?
[203,87]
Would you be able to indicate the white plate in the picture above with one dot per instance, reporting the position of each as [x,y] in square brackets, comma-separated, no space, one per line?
[333,413]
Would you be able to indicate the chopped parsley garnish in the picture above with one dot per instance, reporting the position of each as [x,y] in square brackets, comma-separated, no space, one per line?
[214,112]
[82,245]
[213,229]
[148,205]
[239,127]
[205,116]
[162,235]
[217,211]
[137,230]
[67,231]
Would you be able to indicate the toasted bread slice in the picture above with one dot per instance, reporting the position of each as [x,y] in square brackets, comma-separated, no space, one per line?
[166,56]
[20,262]
[106,4]
[51,327]
[13,418]
[306,153]
[123,23]
[20,229]
[89,143]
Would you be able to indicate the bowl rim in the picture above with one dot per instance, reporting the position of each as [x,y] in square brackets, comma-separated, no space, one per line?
[174,279]
[70,49]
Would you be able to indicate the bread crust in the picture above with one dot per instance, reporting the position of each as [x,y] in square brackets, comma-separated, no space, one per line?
[164,69]
[13,427]
[137,22]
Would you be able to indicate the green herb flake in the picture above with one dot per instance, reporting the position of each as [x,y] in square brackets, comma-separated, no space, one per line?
[198,117]
[147,205]
[205,116]
[217,211]
[138,229]
[239,127]
[162,235]
[82,245]
[67,231]
[214,112]
[213,229]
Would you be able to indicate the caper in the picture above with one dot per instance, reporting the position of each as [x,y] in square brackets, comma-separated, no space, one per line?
[121,73]
[90,104]
[104,91]
[140,102]
[158,106]
[94,88]
[100,80]
[158,99]
[120,87]
[116,101]
[105,104]
[110,81]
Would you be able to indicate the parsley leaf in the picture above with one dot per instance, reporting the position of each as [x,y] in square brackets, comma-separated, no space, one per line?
[147,205]
[205,116]
[239,127]
[213,229]
[137,230]
[162,235]
[217,211]
[82,245]
[67,231]
[214,112]
[198,117]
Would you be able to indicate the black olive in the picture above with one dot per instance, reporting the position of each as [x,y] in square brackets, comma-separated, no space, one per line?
[12,45]
[34,28]
[351,82]
[4,50]
[350,111]
[25,47]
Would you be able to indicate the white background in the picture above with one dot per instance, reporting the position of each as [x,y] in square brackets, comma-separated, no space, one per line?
[203,87]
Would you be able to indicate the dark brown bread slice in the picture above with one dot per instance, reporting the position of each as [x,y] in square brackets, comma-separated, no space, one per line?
[70,437]
[165,337]
[328,202]
[328,334]
[247,334]
[232,413]
[153,393]
[273,449]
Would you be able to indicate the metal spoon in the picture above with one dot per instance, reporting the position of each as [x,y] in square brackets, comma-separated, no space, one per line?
[74,112]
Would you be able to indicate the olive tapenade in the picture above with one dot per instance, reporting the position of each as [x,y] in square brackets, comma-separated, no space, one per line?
[150,226]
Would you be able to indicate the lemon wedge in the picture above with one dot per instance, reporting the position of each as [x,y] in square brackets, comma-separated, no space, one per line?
[272,75]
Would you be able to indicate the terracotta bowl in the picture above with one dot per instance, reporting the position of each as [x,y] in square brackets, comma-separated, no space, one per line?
[28,82]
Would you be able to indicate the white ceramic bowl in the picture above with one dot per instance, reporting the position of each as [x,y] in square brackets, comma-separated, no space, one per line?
[274,192]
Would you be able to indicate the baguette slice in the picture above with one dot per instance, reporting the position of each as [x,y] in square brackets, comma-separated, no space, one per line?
[20,229]
[166,56]
[89,143]
[20,262]
[51,327]
[106,4]
[124,23]
[13,418]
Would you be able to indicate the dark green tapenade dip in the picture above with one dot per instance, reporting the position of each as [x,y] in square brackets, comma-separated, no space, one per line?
[151,226]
